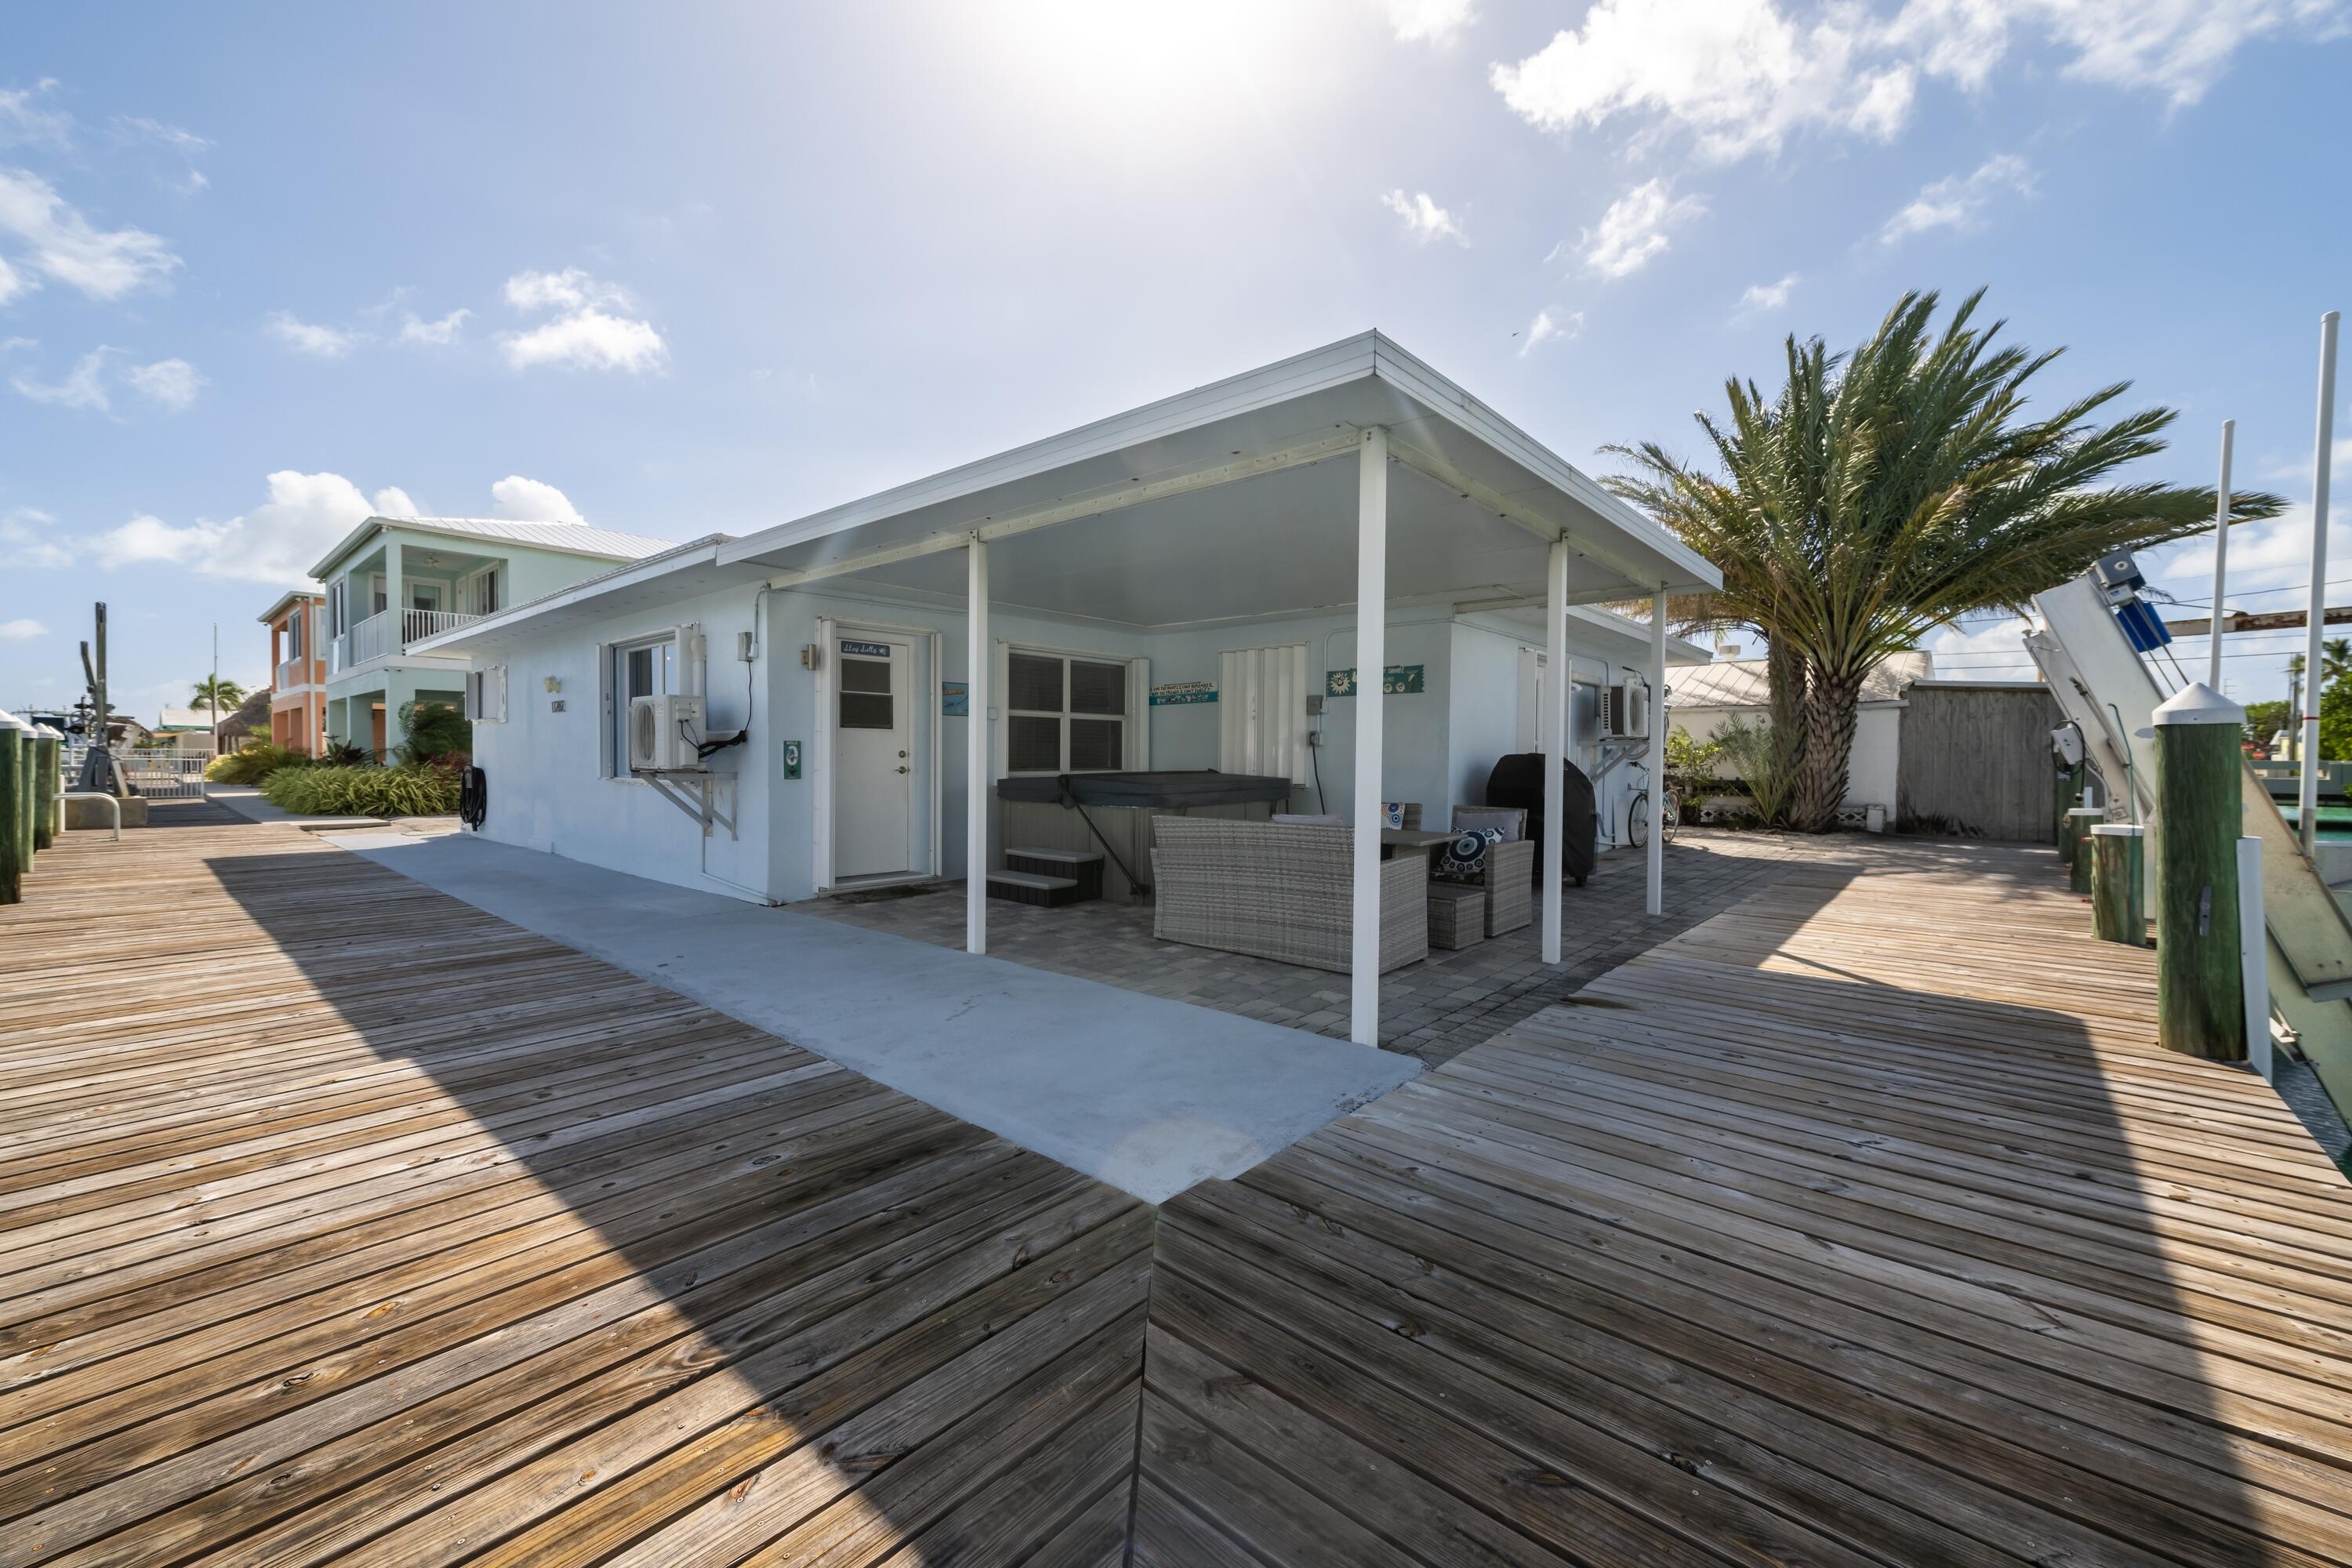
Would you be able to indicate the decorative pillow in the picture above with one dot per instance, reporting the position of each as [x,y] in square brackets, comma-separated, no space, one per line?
[1391,814]
[1464,859]
[1507,820]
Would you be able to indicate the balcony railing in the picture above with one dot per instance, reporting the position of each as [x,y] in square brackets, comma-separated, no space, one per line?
[372,639]
[294,673]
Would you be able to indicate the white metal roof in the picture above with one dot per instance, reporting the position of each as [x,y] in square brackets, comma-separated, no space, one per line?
[571,538]
[1741,682]
[271,613]
[1232,502]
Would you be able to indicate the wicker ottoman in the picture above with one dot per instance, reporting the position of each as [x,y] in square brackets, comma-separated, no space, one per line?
[1511,881]
[1458,914]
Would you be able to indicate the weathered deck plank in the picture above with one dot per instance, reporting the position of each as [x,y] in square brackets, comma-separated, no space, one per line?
[1863,1221]
[341,1222]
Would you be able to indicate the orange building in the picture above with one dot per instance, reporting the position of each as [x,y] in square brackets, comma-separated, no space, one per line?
[297,663]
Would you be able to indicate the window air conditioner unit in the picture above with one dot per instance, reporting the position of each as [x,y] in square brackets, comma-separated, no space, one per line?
[665,732]
[1625,712]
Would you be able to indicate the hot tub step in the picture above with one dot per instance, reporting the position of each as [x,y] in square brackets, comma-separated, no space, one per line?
[1084,866]
[1030,888]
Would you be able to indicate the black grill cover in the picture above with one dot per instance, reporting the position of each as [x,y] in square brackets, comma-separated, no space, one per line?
[1518,780]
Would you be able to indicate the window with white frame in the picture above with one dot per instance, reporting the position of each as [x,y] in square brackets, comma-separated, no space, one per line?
[294,633]
[647,668]
[337,623]
[1064,713]
[479,595]
[486,695]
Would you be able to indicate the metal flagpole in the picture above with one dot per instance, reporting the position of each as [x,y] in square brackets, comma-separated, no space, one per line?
[2307,801]
[2220,556]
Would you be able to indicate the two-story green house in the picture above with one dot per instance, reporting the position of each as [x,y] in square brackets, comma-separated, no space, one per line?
[395,581]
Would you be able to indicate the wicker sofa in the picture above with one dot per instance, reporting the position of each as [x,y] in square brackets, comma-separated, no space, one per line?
[1278,890]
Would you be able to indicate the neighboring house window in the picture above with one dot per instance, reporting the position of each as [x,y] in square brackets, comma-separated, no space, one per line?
[1063,715]
[485,592]
[643,668]
[337,623]
[294,635]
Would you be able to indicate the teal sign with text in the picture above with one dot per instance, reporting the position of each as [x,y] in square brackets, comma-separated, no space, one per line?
[1395,681]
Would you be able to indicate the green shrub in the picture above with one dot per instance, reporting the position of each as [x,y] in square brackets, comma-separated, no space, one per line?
[435,732]
[364,791]
[1763,759]
[252,764]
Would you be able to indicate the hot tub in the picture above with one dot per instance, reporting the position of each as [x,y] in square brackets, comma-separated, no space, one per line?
[1166,790]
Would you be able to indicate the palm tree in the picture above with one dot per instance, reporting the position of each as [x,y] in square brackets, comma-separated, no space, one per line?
[2336,660]
[1888,491]
[228,692]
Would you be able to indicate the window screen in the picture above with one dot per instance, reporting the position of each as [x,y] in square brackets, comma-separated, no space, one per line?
[1033,744]
[1034,684]
[865,699]
[1095,745]
[1063,715]
[1098,687]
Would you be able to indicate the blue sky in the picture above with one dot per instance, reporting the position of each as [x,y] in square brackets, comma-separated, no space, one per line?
[710,267]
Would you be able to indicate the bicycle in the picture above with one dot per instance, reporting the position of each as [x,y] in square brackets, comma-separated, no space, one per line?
[1637,817]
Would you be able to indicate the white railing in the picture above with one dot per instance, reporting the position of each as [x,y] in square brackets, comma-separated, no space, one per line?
[372,638]
[294,673]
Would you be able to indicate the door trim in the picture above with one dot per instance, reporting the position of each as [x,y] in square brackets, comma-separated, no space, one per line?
[924,802]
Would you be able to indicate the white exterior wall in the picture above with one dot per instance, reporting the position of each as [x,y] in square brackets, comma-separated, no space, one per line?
[543,766]
[1870,770]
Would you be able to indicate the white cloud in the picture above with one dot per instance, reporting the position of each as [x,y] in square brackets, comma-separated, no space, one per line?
[278,542]
[12,282]
[1438,22]
[531,500]
[1768,296]
[1633,232]
[23,541]
[1424,218]
[393,502]
[1736,74]
[22,630]
[172,384]
[586,336]
[1548,327]
[52,238]
[588,339]
[146,129]
[1959,201]
[433,334]
[308,337]
[1739,77]
[23,119]
[83,387]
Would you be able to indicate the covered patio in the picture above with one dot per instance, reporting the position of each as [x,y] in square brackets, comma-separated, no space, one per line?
[1284,500]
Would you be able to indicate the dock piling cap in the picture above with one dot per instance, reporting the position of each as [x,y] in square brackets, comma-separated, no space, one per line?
[2198,703]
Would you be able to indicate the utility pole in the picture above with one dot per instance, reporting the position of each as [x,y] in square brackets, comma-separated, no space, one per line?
[2293,714]
[2315,655]
[216,688]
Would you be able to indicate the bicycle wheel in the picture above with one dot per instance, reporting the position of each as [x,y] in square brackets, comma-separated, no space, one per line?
[1637,821]
[1670,817]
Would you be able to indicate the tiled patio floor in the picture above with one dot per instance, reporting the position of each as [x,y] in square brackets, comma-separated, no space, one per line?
[1433,1010]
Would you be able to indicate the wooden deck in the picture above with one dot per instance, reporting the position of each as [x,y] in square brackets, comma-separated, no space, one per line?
[344,1223]
[1861,1224]
[341,1222]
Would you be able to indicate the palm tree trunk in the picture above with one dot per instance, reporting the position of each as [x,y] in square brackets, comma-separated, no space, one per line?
[1784,675]
[1831,707]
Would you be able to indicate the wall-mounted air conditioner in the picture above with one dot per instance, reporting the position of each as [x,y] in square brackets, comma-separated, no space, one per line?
[1624,711]
[665,734]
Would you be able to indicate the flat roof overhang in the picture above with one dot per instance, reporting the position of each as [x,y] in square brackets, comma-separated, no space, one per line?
[1234,501]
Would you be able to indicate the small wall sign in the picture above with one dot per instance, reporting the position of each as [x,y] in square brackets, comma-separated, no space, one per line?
[1396,681]
[1183,693]
[791,759]
[955,700]
[865,649]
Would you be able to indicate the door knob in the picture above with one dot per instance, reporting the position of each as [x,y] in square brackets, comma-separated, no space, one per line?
[902,768]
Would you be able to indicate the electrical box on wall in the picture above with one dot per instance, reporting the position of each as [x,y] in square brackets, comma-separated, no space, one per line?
[1314,704]
[744,647]
[808,656]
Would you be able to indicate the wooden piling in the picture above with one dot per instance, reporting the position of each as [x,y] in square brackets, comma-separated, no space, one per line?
[47,751]
[15,850]
[2198,761]
[2119,883]
[2079,822]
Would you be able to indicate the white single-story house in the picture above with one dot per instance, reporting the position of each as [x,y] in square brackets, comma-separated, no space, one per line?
[1707,698]
[1174,588]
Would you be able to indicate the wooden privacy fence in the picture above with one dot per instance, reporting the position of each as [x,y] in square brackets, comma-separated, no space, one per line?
[1975,759]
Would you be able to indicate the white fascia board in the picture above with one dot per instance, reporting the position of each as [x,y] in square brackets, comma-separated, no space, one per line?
[1450,401]
[1336,365]
[634,574]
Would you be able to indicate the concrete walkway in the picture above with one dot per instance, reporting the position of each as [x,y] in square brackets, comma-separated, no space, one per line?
[252,804]
[1149,1095]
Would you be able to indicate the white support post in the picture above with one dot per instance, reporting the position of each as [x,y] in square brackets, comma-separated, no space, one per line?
[2314,653]
[1372,664]
[979,739]
[1553,726]
[1657,850]
[2220,558]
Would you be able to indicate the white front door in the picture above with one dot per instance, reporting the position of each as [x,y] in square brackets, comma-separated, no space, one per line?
[873,792]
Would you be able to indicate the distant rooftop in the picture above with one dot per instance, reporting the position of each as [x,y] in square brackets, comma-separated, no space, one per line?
[1741,682]
[572,538]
